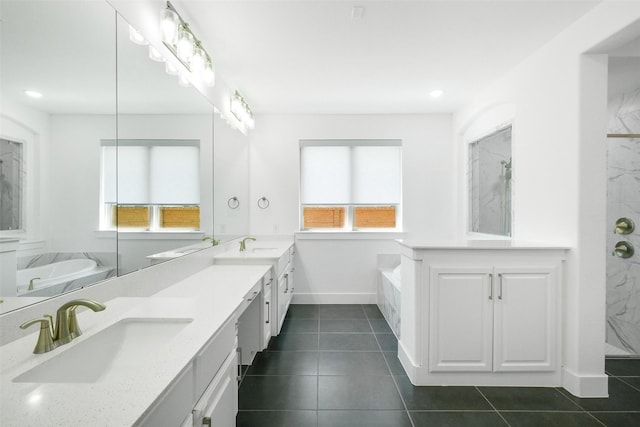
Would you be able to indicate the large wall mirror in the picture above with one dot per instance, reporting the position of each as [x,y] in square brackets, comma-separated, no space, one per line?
[91,167]
[163,206]
[490,183]
[71,64]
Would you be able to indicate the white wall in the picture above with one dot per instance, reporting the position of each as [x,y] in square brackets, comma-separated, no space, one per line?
[559,170]
[73,198]
[231,179]
[343,268]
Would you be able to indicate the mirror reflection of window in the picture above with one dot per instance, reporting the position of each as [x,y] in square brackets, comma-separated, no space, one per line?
[11,166]
[490,183]
[158,184]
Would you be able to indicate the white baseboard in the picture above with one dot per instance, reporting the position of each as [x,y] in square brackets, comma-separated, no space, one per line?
[585,385]
[299,298]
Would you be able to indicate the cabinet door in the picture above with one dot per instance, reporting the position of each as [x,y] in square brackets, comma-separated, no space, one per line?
[460,319]
[525,319]
[266,316]
[283,290]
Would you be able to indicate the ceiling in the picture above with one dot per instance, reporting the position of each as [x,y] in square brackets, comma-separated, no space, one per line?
[313,57]
[91,74]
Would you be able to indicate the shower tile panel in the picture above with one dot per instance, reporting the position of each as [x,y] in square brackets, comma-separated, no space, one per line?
[624,113]
[487,183]
[623,200]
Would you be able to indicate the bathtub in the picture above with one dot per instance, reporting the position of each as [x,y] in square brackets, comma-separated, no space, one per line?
[59,277]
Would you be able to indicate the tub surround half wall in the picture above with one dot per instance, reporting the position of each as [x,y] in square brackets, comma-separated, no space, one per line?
[142,283]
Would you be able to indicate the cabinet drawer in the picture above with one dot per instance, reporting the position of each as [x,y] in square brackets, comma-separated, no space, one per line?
[213,355]
[218,405]
[174,403]
[282,264]
[267,279]
[248,298]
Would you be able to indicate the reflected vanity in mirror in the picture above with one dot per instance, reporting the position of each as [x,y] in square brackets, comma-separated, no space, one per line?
[67,144]
[490,183]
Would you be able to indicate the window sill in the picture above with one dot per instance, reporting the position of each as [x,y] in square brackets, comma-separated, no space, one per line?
[150,235]
[350,235]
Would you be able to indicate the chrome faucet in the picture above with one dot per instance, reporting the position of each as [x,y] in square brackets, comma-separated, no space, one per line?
[243,243]
[67,327]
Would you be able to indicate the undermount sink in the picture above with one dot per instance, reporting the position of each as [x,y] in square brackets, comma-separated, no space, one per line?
[120,348]
[258,250]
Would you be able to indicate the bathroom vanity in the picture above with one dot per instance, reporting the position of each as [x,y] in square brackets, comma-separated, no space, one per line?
[481,313]
[279,254]
[169,359]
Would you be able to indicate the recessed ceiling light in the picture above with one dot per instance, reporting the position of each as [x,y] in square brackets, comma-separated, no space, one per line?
[357,13]
[436,93]
[33,94]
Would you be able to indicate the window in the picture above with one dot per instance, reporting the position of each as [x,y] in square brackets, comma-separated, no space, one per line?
[11,185]
[350,185]
[157,185]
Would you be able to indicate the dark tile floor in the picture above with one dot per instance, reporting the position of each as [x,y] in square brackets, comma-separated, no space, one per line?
[337,366]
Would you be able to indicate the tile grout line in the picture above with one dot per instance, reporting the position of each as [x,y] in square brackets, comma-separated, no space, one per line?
[395,383]
[318,374]
[491,404]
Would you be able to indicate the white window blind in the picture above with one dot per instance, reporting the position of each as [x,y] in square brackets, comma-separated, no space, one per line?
[376,175]
[109,186]
[174,175]
[325,175]
[158,172]
[133,175]
[350,172]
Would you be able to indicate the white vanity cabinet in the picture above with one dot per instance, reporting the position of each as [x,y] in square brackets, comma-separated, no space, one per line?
[280,256]
[267,308]
[481,315]
[493,319]
[250,327]
[202,386]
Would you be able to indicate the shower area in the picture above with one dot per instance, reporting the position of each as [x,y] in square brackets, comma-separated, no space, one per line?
[623,222]
[490,182]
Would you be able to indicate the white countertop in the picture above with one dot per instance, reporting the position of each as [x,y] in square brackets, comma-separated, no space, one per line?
[477,244]
[210,297]
[260,249]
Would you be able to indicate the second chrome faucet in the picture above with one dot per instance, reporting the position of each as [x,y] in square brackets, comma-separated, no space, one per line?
[66,325]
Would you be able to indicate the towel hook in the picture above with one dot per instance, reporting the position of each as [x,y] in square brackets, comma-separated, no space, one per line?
[233,203]
[263,202]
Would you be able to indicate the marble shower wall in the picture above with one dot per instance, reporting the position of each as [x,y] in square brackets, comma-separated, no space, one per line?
[623,200]
[490,186]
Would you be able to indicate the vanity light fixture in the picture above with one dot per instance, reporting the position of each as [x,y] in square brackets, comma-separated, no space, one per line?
[240,109]
[180,40]
[136,37]
[155,55]
[171,69]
